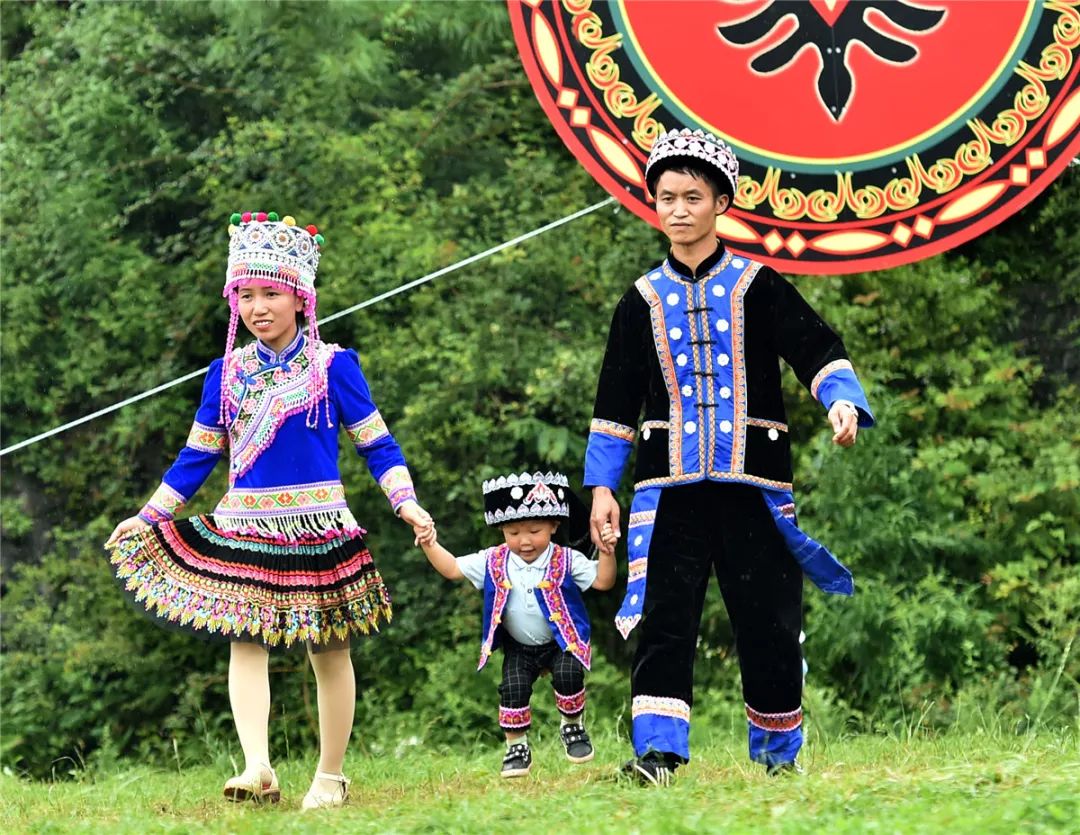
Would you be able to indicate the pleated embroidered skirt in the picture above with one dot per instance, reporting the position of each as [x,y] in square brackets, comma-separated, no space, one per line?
[190,574]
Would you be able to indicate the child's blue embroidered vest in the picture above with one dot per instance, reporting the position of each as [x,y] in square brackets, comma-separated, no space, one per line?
[560,600]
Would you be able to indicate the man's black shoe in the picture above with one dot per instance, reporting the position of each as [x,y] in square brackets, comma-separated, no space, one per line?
[650,770]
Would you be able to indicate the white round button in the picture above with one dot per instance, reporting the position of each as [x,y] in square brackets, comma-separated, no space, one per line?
[672,298]
[721,325]
[725,426]
[646,433]
[516,493]
[687,391]
[681,360]
[725,392]
[718,290]
[773,434]
[690,427]
[638,540]
[723,359]
[738,263]
[675,333]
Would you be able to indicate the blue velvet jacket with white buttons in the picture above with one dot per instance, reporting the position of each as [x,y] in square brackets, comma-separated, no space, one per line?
[700,351]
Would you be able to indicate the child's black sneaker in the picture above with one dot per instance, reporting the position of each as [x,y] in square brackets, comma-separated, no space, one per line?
[575,740]
[518,760]
[650,770]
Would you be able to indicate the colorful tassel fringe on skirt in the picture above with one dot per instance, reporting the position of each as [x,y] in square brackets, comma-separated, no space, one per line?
[192,575]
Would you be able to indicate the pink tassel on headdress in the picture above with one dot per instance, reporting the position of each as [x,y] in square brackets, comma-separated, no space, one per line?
[230,341]
[319,377]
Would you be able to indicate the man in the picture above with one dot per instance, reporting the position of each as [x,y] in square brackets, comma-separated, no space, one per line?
[696,342]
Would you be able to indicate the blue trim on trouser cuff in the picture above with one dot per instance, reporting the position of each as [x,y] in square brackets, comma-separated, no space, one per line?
[661,733]
[774,747]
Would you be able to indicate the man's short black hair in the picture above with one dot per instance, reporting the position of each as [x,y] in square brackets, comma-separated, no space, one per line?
[719,185]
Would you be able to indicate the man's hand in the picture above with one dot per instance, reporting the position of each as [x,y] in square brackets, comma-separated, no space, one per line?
[605,511]
[844,418]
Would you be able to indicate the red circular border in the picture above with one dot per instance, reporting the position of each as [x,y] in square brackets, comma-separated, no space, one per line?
[1067,148]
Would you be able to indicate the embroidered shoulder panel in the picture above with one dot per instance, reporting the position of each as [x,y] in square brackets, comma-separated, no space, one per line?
[260,399]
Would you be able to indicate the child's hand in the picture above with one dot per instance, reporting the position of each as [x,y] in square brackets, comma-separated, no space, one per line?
[425,534]
[130,525]
[608,535]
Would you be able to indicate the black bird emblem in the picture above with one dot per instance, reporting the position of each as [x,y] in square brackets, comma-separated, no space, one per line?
[832,41]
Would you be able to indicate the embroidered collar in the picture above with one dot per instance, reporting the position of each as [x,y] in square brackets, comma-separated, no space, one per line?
[702,269]
[267,356]
[540,563]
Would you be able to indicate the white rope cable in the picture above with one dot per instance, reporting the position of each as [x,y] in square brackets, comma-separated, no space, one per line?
[472,259]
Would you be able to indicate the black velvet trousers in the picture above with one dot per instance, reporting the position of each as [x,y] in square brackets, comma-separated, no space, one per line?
[725,529]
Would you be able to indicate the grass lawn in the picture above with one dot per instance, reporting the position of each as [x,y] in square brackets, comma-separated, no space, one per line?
[951,783]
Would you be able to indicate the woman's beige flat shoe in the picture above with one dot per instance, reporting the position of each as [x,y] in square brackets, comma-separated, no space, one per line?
[327,800]
[254,785]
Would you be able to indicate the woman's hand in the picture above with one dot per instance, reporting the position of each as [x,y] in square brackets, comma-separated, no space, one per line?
[124,528]
[422,524]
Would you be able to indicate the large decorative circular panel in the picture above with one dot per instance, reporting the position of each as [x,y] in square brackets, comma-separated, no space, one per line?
[870,133]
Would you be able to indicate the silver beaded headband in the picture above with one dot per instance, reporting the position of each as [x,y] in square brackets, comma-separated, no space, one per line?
[526,496]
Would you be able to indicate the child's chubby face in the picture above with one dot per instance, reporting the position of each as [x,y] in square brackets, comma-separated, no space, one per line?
[529,538]
[269,312]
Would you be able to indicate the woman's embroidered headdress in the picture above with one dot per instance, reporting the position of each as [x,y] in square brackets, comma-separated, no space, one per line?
[267,251]
[675,148]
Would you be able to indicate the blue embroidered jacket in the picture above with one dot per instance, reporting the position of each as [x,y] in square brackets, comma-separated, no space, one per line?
[560,600]
[702,357]
[284,480]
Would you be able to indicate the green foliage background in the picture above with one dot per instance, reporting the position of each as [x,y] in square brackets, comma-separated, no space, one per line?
[408,133]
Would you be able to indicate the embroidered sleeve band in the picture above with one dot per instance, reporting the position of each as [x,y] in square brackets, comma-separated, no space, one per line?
[615,430]
[205,438]
[163,505]
[366,432]
[826,370]
[605,458]
[837,381]
[397,484]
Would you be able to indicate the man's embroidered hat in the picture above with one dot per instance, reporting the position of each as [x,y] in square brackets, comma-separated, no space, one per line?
[538,496]
[676,148]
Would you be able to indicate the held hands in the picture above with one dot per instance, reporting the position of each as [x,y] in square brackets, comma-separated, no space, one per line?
[604,520]
[844,418]
[124,528]
[422,524]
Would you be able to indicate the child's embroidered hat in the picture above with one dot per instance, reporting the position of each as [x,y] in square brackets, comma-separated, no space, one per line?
[266,251]
[538,496]
[675,148]
[525,496]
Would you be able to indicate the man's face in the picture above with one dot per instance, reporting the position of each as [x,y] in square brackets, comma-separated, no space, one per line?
[687,207]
